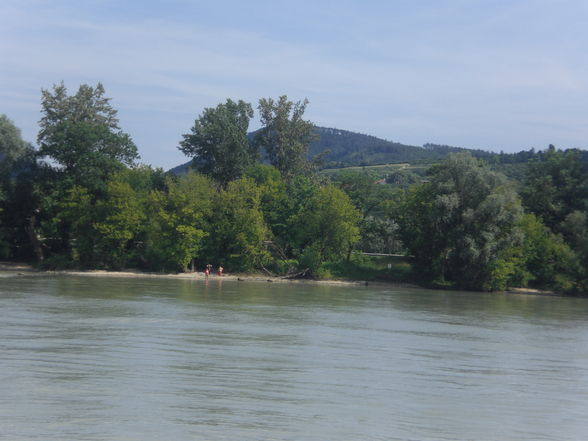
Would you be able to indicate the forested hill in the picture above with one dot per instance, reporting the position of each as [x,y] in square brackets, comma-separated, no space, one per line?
[345,149]
[350,148]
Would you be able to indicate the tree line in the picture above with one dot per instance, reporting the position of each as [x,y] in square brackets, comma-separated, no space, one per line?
[80,199]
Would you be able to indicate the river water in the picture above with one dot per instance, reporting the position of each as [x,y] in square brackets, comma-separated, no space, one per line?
[87,358]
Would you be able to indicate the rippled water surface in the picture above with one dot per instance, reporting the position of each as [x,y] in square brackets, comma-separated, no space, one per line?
[85,358]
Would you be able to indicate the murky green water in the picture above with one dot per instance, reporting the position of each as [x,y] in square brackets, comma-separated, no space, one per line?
[147,359]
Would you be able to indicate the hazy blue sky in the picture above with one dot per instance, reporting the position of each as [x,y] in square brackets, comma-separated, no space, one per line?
[491,74]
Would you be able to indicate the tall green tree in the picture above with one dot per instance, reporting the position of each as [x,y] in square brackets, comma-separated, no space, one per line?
[285,135]
[458,226]
[299,192]
[80,133]
[218,141]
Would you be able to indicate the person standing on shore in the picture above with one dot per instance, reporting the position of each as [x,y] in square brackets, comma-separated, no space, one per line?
[220,270]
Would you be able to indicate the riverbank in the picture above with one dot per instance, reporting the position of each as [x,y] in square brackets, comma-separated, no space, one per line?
[26,269]
[22,269]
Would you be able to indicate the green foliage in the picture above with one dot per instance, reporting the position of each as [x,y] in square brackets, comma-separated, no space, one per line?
[87,105]
[544,259]
[371,268]
[81,134]
[89,153]
[361,188]
[78,210]
[556,190]
[30,203]
[281,214]
[403,178]
[12,146]
[218,141]
[273,197]
[176,222]
[312,259]
[285,135]
[326,228]
[458,226]
[120,217]
[238,230]
[347,148]
[101,230]
[379,235]
[575,228]
[369,196]
[4,231]
[143,178]
[12,149]
[555,186]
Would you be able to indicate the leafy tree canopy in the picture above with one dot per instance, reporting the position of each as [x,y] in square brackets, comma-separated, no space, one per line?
[458,225]
[80,133]
[285,135]
[238,231]
[545,260]
[218,141]
[12,146]
[177,222]
[555,186]
[327,226]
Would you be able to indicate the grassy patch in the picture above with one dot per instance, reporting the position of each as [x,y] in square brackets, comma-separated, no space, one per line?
[372,268]
[380,170]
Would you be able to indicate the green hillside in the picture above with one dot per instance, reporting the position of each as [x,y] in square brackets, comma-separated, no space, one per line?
[342,148]
[345,149]
[355,149]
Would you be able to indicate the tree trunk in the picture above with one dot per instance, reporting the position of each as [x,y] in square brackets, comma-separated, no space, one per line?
[35,242]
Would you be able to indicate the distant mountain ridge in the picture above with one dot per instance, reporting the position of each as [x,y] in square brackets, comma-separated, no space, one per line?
[347,149]
[352,149]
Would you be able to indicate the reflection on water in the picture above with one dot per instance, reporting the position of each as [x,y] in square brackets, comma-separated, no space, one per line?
[160,359]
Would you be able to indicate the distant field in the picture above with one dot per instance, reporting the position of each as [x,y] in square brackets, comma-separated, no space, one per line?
[379,170]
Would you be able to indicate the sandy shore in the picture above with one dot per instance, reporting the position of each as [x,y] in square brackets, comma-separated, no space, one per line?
[14,268]
[25,269]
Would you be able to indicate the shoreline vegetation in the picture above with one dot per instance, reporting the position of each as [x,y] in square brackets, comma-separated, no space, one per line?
[259,202]
[25,269]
